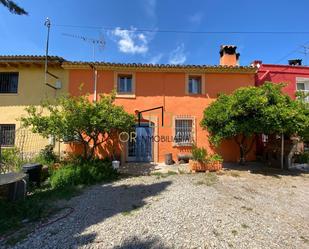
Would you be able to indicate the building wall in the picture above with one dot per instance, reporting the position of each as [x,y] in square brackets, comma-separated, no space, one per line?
[31,91]
[282,74]
[154,89]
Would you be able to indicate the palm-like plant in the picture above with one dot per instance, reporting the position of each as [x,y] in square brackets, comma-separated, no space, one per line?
[13,7]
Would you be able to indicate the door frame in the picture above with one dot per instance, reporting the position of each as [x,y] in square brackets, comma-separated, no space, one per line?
[133,159]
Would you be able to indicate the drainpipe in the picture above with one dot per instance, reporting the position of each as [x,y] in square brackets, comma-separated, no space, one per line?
[95,85]
[95,76]
[282,150]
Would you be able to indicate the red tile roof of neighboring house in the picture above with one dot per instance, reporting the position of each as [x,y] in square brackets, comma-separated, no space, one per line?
[28,58]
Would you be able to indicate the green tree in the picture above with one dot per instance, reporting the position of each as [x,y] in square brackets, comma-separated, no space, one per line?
[303,99]
[69,118]
[250,111]
[13,7]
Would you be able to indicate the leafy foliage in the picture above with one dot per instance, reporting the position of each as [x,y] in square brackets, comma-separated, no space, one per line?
[13,7]
[199,154]
[11,160]
[47,155]
[304,157]
[215,158]
[77,118]
[83,173]
[253,110]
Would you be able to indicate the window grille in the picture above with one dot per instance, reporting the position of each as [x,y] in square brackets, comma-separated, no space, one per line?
[8,82]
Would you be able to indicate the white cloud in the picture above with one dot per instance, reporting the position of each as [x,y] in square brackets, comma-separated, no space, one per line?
[156,59]
[196,18]
[131,42]
[178,56]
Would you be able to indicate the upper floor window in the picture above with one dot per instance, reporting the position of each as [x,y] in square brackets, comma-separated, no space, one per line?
[125,83]
[7,135]
[195,85]
[302,85]
[8,82]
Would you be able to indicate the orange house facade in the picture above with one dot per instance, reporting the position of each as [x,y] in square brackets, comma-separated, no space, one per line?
[178,93]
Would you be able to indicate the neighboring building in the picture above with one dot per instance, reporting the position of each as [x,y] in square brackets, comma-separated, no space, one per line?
[183,92]
[22,83]
[294,75]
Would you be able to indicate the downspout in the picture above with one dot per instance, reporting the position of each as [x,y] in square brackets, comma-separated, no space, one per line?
[95,76]
[282,150]
[95,85]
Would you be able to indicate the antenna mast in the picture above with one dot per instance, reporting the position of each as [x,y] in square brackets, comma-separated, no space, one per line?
[305,52]
[48,24]
[100,43]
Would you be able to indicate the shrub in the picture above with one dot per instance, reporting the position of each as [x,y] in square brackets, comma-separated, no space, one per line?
[84,173]
[47,155]
[304,157]
[199,154]
[11,159]
[215,158]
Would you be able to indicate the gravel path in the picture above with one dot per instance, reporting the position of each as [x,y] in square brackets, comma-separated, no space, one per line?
[235,209]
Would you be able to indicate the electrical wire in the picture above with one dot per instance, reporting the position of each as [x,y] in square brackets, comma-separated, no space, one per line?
[181,31]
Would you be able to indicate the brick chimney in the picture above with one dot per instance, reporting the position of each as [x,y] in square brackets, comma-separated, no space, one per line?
[257,63]
[295,62]
[228,55]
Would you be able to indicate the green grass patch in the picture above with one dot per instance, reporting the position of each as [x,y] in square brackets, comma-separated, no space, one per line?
[36,206]
[247,208]
[130,212]
[85,173]
[234,174]
[209,179]
[304,239]
[164,174]
[244,226]
[64,183]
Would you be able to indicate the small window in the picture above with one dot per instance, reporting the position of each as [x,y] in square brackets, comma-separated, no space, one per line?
[184,132]
[7,135]
[8,82]
[124,84]
[300,86]
[195,85]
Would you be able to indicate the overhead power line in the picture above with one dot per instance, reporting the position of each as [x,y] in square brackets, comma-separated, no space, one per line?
[183,31]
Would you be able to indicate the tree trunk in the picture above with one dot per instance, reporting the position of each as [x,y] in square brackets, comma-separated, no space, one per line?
[85,151]
[242,151]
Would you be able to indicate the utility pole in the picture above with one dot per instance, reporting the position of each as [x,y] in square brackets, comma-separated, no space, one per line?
[48,24]
[95,42]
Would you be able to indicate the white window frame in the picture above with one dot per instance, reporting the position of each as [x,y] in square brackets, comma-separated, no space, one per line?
[305,81]
[193,131]
[202,78]
[130,94]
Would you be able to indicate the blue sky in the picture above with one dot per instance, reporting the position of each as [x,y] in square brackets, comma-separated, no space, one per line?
[27,34]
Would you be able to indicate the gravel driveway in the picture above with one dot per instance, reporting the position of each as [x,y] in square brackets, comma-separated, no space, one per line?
[235,209]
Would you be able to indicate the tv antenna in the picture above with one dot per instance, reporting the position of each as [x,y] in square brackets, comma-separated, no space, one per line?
[100,43]
[47,23]
[95,42]
[305,52]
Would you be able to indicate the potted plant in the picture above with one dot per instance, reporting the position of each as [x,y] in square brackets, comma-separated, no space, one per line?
[214,162]
[199,159]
